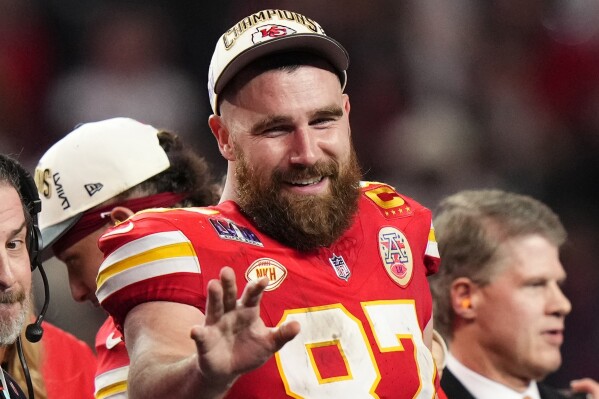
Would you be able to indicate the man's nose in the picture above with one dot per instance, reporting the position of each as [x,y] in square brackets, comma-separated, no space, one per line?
[559,303]
[78,291]
[7,276]
[305,150]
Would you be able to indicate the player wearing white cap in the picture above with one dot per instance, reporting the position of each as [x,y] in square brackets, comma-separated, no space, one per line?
[97,176]
[332,270]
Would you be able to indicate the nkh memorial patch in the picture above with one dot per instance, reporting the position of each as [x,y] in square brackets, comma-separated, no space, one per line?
[266,267]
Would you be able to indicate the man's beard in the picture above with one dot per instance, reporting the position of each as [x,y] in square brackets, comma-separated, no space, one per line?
[10,325]
[303,222]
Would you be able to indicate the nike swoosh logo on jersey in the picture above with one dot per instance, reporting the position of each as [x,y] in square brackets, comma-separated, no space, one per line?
[111,341]
[121,229]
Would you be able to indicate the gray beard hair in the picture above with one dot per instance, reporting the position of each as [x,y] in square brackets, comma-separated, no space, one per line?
[10,327]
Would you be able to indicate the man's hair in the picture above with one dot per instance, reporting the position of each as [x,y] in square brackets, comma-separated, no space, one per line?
[284,61]
[469,228]
[188,173]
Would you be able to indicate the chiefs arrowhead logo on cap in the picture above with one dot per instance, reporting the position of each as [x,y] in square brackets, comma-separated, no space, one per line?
[271,31]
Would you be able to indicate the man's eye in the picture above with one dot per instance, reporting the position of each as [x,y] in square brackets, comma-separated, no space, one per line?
[275,131]
[539,283]
[322,121]
[15,244]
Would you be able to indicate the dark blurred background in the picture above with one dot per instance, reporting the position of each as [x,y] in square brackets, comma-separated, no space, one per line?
[445,95]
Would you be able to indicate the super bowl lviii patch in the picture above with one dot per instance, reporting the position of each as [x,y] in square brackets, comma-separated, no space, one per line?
[228,230]
[396,255]
[267,267]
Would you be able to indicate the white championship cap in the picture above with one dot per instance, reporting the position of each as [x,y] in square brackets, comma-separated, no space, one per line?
[265,32]
[92,164]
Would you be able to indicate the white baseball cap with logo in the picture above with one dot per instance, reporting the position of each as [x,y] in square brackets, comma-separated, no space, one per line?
[266,32]
[94,163]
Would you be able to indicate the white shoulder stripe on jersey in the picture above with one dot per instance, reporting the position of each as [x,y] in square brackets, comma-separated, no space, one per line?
[111,377]
[143,244]
[432,249]
[160,267]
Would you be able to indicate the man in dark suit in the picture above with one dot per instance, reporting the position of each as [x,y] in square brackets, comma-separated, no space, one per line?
[498,300]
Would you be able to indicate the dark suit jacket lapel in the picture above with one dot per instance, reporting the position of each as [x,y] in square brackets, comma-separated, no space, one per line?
[454,388]
[549,393]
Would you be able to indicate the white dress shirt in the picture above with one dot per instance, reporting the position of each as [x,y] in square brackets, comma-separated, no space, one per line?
[483,388]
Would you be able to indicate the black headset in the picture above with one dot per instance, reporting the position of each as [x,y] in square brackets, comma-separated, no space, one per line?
[31,199]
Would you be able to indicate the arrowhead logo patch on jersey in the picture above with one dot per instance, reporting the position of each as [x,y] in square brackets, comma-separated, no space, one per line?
[340,267]
[93,188]
[266,267]
[396,255]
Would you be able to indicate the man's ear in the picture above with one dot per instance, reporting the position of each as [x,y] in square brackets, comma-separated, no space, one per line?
[463,297]
[223,138]
[346,104]
[119,214]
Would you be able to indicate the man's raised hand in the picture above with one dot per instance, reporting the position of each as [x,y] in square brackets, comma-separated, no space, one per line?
[234,339]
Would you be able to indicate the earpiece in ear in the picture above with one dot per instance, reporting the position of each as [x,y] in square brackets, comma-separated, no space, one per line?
[465,303]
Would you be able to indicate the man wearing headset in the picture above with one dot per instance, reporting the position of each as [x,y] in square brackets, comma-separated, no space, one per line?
[15,270]
[60,366]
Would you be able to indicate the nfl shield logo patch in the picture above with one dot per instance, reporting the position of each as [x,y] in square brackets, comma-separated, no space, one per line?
[340,267]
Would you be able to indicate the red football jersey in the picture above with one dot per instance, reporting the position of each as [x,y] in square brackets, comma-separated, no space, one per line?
[113,363]
[68,365]
[362,302]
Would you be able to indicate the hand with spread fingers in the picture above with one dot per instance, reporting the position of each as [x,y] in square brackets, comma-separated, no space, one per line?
[234,339]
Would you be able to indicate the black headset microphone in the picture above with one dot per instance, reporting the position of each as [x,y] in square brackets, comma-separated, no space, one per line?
[34,331]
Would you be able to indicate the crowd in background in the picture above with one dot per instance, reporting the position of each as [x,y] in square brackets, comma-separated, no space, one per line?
[446,95]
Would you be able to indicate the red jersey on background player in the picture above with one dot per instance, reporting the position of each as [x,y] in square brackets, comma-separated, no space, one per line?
[333,274]
[113,363]
[351,311]
[68,365]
